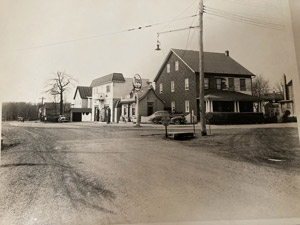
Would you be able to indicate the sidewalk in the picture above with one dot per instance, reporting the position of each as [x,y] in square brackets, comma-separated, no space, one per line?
[153,126]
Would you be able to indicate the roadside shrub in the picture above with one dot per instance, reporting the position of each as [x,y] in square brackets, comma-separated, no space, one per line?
[236,118]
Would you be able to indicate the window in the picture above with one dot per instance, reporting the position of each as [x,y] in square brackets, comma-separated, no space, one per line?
[186,83]
[206,83]
[107,88]
[219,86]
[242,84]
[176,66]
[160,88]
[187,106]
[168,68]
[133,111]
[173,106]
[231,84]
[172,86]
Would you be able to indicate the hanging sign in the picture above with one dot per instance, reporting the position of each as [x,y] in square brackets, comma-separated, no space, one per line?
[137,82]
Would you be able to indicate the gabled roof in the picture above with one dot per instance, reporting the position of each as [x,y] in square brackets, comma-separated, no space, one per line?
[144,92]
[218,63]
[113,77]
[141,95]
[228,96]
[84,92]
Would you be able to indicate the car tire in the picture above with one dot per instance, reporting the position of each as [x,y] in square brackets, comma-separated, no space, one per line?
[155,121]
[177,122]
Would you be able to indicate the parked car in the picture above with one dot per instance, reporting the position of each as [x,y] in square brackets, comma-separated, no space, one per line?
[21,119]
[177,119]
[63,119]
[157,116]
[174,118]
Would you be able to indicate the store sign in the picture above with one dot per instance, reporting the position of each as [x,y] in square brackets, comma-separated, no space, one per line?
[137,82]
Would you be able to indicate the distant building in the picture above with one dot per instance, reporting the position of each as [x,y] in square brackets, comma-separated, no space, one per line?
[82,108]
[228,85]
[106,93]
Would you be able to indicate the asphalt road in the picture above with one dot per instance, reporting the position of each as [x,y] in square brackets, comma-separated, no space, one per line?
[96,174]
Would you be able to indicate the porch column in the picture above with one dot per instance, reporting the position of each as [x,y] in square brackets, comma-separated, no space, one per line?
[238,106]
[235,106]
[259,107]
[211,106]
[207,109]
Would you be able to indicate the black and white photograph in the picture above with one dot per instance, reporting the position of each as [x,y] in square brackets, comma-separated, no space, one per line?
[151,112]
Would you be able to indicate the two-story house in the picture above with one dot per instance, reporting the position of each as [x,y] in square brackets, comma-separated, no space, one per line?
[228,85]
[82,104]
[106,94]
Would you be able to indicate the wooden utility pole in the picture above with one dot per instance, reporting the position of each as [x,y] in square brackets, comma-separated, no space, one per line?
[201,72]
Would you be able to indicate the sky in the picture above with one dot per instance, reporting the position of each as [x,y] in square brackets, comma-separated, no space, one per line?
[39,38]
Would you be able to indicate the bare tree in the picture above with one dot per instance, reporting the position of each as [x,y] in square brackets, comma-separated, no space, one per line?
[260,86]
[60,84]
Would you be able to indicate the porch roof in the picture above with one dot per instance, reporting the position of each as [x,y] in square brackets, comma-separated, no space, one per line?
[82,110]
[229,96]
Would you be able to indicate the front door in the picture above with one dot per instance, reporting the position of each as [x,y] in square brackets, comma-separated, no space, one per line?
[96,115]
[149,108]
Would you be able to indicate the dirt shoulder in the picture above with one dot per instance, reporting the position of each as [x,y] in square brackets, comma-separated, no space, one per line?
[277,147]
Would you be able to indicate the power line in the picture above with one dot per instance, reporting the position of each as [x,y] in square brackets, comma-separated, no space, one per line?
[169,31]
[106,34]
[181,13]
[251,19]
[243,20]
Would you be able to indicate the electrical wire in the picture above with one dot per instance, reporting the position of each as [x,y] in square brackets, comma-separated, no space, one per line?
[180,14]
[106,34]
[239,16]
[243,20]
[180,29]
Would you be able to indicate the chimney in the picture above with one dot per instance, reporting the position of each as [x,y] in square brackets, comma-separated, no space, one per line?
[227,53]
[284,88]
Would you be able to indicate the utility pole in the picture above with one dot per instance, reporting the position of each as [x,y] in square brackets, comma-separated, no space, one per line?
[42,100]
[41,113]
[201,72]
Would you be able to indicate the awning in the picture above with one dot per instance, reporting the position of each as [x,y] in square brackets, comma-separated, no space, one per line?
[229,96]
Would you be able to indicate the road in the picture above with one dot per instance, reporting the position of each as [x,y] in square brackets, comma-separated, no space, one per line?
[101,174]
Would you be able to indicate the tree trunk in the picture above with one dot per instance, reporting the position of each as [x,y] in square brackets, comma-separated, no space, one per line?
[61,104]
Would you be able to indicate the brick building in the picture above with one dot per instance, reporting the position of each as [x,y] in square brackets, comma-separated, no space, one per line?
[228,85]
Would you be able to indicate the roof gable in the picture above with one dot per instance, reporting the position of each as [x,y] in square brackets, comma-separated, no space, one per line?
[84,92]
[113,77]
[218,63]
[143,93]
